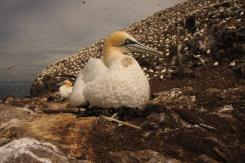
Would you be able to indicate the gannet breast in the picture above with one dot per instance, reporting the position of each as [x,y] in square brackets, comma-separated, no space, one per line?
[65,91]
[124,84]
[94,68]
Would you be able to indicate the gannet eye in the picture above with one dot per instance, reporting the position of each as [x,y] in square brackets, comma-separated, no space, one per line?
[128,41]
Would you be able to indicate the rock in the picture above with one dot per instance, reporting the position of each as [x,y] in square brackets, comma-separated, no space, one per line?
[141,156]
[190,24]
[226,108]
[31,150]
[9,112]
[174,97]
[227,42]
[64,130]
[158,117]
[240,70]
[213,92]
[205,159]
[174,125]
[56,106]
[189,91]
[11,100]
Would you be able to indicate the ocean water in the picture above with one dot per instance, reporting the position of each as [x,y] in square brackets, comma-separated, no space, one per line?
[15,88]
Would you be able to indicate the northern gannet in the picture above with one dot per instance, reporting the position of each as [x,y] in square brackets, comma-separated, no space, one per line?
[65,89]
[117,79]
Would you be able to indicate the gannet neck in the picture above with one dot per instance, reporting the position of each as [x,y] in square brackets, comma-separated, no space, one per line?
[111,53]
[113,47]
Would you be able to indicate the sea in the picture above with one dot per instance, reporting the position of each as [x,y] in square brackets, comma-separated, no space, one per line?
[15,88]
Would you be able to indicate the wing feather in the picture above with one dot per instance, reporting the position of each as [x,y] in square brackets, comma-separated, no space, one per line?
[93,69]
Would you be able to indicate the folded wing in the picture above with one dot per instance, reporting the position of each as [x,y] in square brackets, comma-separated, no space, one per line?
[124,84]
[92,70]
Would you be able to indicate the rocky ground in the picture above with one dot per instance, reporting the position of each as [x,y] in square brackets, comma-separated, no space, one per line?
[196,112]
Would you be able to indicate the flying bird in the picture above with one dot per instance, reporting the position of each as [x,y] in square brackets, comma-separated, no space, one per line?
[116,79]
[8,70]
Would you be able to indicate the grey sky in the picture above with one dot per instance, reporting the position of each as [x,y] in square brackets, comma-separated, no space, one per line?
[33,33]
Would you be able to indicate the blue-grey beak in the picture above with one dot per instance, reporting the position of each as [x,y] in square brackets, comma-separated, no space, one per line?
[138,47]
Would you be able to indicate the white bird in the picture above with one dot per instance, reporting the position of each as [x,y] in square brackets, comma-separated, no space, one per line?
[116,80]
[65,89]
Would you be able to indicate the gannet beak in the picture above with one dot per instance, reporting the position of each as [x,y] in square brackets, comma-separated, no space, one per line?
[138,47]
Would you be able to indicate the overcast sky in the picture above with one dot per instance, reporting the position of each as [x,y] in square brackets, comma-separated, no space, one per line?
[34,33]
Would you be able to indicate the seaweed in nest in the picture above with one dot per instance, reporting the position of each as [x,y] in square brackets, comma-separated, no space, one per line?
[123,113]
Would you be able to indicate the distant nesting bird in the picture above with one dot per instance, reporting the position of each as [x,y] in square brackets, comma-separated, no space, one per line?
[116,80]
[65,89]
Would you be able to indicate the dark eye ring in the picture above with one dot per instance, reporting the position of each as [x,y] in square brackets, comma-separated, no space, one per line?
[128,41]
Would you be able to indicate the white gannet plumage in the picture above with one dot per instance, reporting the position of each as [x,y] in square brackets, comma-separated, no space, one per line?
[65,89]
[117,79]
[94,68]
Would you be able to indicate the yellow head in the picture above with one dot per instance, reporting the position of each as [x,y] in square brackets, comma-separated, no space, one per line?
[119,43]
[66,83]
[117,40]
